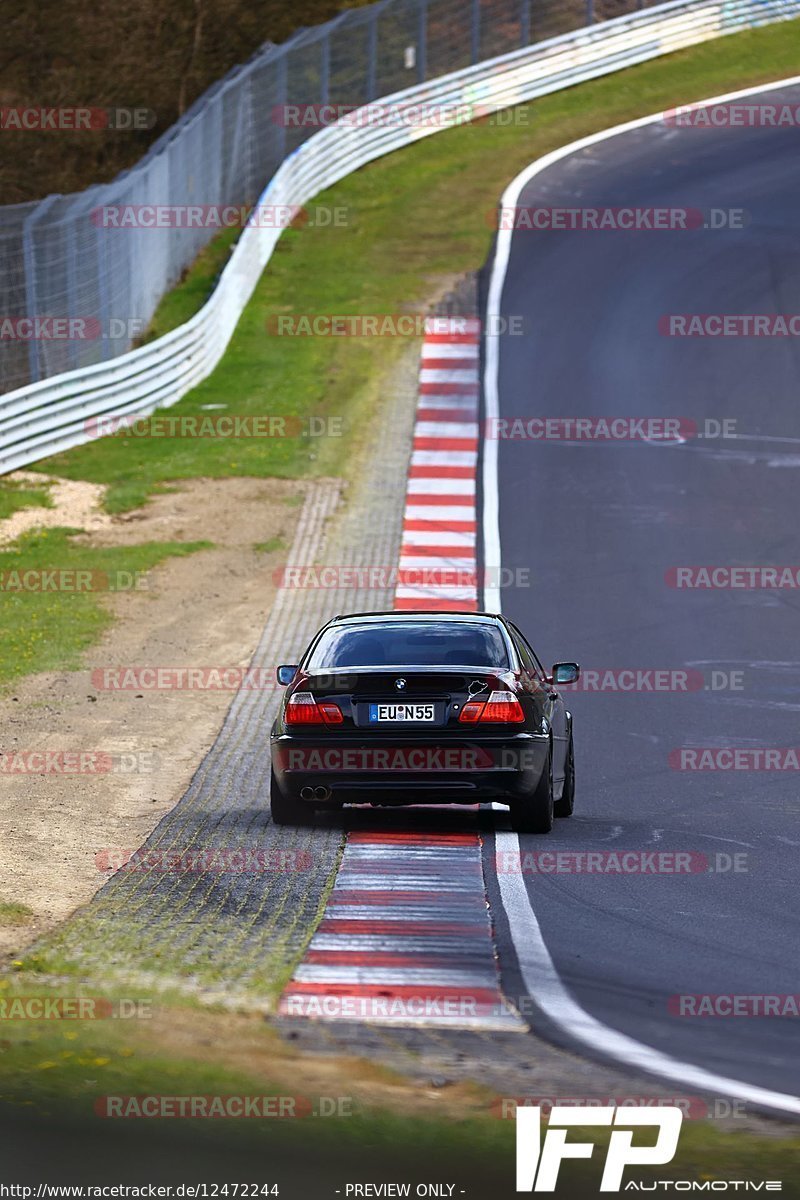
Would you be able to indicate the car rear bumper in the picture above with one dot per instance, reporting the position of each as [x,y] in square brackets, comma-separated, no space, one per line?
[411,770]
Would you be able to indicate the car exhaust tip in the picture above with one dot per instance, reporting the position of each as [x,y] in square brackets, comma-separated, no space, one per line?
[322,793]
[307,793]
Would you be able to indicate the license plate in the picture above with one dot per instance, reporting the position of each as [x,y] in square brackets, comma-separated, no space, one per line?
[402,712]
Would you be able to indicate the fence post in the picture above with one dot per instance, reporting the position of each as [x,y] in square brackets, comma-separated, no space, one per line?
[422,42]
[372,52]
[31,298]
[525,23]
[72,289]
[475,32]
[283,96]
[102,283]
[589,12]
[325,70]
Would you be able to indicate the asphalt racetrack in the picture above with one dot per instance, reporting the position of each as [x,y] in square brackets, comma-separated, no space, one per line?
[601,526]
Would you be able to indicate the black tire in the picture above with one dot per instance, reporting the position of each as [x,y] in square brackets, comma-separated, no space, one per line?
[286,811]
[534,813]
[564,806]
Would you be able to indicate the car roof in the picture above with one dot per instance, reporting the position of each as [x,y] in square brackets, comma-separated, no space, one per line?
[423,614]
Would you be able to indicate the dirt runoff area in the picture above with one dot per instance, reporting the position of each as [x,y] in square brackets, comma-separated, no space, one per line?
[204,610]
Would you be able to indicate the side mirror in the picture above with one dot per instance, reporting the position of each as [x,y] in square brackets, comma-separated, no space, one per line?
[566,672]
[286,674]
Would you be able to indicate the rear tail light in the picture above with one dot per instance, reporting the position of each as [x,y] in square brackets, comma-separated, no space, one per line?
[501,707]
[303,709]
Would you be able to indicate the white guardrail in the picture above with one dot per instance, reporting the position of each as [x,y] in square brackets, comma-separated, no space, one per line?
[55,414]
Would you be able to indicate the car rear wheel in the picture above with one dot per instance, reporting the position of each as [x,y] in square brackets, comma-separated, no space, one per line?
[286,811]
[564,806]
[534,813]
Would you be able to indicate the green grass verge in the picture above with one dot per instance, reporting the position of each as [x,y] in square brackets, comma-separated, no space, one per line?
[55,1068]
[270,546]
[195,287]
[16,495]
[14,914]
[415,219]
[60,1067]
[45,630]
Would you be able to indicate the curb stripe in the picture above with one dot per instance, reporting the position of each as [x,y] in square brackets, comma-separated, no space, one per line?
[442,519]
[416,525]
[406,937]
[445,443]
[443,472]
[456,551]
[438,485]
[458,362]
[455,497]
[462,406]
[444,414]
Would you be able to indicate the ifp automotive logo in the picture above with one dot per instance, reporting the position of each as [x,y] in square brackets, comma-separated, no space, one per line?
[539,1160]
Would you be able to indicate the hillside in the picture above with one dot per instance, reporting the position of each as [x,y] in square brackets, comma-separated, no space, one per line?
[149,55]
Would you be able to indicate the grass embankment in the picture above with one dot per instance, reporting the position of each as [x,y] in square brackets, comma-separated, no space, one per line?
[63,1069]
[15,495]
[50,612]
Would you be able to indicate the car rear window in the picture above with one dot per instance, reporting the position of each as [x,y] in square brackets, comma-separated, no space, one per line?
[425,644]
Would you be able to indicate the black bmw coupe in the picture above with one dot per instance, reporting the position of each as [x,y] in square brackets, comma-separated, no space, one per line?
[423,708]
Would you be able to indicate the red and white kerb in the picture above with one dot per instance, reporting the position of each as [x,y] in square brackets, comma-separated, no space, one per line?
[440,523]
